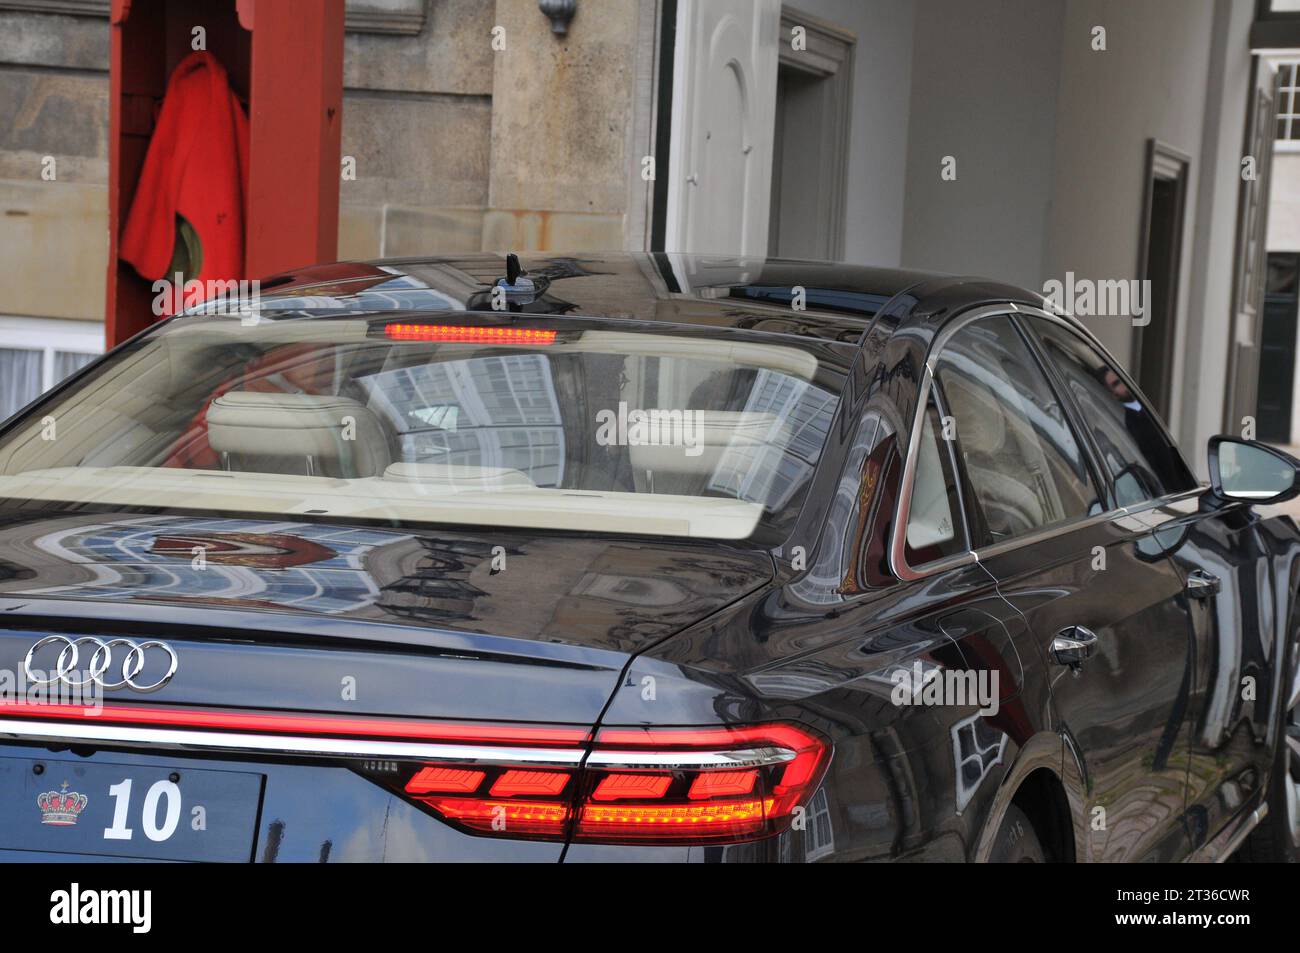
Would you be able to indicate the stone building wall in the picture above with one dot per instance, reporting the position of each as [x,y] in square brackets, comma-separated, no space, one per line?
[457,146]
[53,102]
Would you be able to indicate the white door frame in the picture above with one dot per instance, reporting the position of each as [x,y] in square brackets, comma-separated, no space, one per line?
[740,37]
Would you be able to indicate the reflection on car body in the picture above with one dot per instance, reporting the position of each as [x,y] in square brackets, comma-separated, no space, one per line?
[428,612]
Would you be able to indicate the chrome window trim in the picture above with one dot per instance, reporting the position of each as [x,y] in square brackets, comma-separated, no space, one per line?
[235,743]
[1166,500]
[1050,532]
[1110,516]
[898,540]
[902,509]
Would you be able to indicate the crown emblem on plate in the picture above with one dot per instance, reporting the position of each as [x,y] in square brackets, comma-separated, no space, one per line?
[61,807]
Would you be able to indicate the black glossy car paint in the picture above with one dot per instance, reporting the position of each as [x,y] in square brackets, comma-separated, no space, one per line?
[1155,729]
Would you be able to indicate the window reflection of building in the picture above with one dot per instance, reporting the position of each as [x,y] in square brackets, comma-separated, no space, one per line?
[825,581]
[504,411]
[772,469]
[496,411]
[630,590]
[437,588]
[390,298]
[977,749]
[820,837]
[399,293]
[125,558]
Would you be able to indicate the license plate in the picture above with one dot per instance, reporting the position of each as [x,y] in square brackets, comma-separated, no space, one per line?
[128,810]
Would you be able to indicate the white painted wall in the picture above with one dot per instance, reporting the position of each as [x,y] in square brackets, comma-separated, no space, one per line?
[1149,82]
[1178,71]
[882,79]
[1205,349]
[1284,202]
[984,90]
[1284,235]
[1050,139]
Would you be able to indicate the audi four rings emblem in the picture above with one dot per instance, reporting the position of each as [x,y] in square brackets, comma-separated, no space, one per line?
[121,670]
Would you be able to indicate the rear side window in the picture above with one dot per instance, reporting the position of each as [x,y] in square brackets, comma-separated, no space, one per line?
[934,527]
[1022,461]
[1138,453]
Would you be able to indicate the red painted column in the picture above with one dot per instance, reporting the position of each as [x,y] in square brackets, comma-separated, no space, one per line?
[137,73]
[295,117]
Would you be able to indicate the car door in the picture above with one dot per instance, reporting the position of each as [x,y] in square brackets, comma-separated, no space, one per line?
[1228,558]
[1102,602]
[936,534]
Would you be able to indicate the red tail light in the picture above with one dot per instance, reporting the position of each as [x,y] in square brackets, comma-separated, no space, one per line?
[719,783]
[532,783]
[454,334]
[724,784]
[613,787]
[439,779]
[731,820]
[545,819]
[636,785]
[627,785]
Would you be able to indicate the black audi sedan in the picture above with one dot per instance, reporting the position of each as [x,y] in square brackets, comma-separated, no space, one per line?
[637,557]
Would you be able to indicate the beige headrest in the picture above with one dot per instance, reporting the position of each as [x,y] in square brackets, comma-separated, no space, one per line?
[981,425]
[340,432]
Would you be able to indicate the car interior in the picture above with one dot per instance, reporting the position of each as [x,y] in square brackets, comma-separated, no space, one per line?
[351,425]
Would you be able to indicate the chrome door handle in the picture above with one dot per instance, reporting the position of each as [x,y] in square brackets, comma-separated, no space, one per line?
[1201,584]
[1073,646]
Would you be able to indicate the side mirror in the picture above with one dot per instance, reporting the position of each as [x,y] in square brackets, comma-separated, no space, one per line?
[1252,472]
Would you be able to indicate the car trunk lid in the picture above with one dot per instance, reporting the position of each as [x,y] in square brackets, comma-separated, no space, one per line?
[319,617]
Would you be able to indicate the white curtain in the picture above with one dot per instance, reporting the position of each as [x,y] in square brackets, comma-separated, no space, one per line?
[65,362]
[20,379]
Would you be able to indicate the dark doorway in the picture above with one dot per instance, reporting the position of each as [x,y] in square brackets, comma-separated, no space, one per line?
[811,143]
[1161,260]
[1277,347]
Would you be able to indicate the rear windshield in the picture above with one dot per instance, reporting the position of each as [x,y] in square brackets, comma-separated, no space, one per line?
[565,427]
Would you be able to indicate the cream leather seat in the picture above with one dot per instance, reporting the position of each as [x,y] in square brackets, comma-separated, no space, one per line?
[1000,462]
[312,434]
[669,468]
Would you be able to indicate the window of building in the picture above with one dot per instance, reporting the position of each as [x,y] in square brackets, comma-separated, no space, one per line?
[37,353]
[1288,102]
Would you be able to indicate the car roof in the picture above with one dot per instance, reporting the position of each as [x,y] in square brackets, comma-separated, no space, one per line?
[841,301]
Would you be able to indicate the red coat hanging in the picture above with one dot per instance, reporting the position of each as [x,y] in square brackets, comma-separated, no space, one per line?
[194,179]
